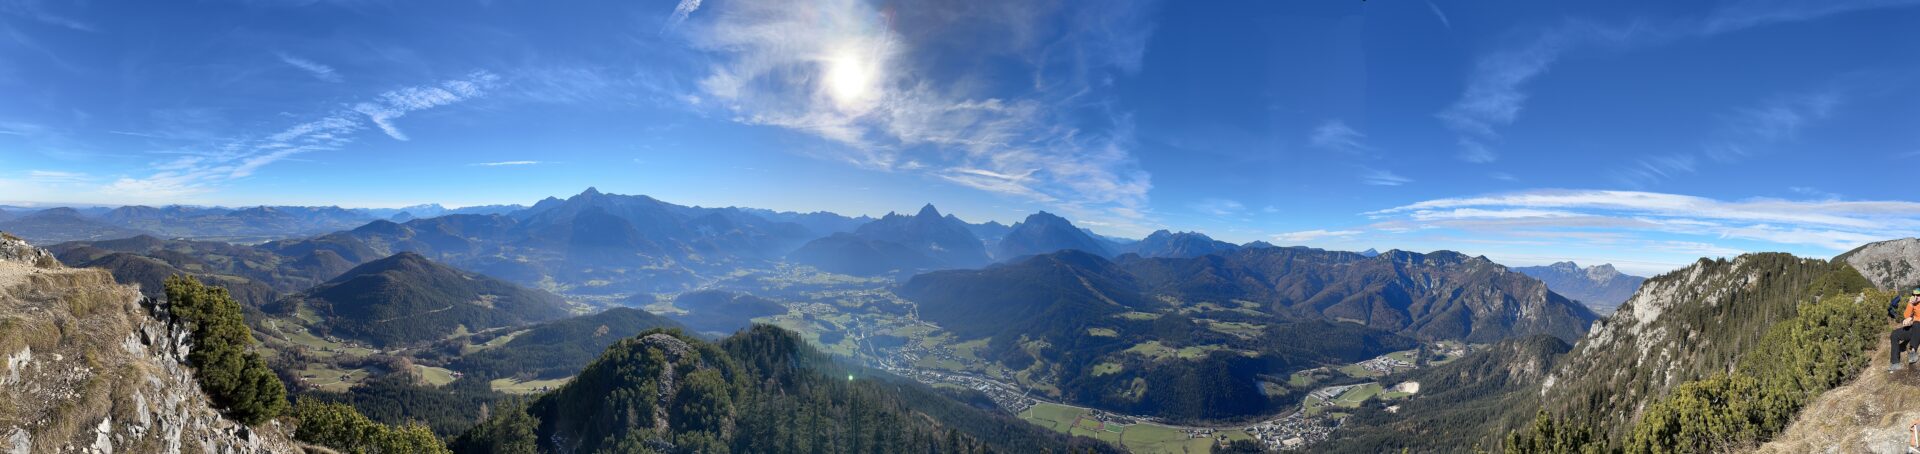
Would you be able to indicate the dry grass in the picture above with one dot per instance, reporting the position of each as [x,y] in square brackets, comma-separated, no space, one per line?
[1870,414]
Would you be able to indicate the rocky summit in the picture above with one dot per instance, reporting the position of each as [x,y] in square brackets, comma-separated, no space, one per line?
[90,366]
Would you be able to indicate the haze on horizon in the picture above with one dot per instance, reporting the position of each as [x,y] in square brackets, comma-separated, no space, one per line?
[1644,134]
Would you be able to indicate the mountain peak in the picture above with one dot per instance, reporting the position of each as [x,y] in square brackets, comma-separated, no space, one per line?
[928,212]
[591,191]
[1046,218]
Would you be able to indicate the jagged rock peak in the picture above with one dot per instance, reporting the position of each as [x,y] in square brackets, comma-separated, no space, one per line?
[928,212]
[14,249]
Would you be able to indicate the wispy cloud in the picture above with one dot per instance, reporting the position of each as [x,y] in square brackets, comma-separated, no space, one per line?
[681,11]
[1308,236]
[846,72]
[1378,177]
[1335,135]
[1219,207]
[33,9]
[57,177]
[319,71]
[1496,91]
[397,103]
[1829,223]
[1742,134]
[1442,15]
[1737,15]
[206,167]
[505,163]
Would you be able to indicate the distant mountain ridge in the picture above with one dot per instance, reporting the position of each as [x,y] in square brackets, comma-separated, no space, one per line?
[1163,243]
[897,243]
[1600,287]
[1043,233]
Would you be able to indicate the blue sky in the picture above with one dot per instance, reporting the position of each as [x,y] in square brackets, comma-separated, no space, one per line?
[1640,133]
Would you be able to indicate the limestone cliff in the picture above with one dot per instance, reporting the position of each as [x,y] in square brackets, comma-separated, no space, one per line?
[87,365]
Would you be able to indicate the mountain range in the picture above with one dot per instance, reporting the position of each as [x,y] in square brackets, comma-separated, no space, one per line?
[1600,287]
[1175,326]
[1077,317]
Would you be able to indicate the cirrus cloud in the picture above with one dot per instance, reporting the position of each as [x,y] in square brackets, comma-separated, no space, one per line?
[858,76]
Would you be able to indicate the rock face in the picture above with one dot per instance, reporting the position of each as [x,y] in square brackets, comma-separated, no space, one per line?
[1681,326]
[1888,264]
[1600,287]
[87,365]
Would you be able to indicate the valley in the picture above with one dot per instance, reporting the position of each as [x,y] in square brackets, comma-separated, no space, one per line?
[1205,346]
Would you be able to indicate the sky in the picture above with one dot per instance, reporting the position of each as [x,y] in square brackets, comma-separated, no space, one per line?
[1640,133]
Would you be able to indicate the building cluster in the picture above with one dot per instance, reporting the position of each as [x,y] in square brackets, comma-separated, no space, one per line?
[1386,365]
[1293,431]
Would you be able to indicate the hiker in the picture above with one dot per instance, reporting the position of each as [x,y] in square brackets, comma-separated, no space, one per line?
[1905,336]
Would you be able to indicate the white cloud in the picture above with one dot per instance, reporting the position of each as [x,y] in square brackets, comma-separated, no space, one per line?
[1219,207]
[845,72]
[681,11]
[57,177]
[397,103]
[319,71]
[1307,236]
[1378,177]
[199,171]
[1829,224]
[505,163]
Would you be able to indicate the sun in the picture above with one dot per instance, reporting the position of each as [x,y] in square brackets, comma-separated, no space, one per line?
[850,77]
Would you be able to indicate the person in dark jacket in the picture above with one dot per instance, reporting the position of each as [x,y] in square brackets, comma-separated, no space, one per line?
[1905,336]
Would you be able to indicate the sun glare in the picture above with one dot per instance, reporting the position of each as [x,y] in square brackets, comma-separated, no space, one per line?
[850,77]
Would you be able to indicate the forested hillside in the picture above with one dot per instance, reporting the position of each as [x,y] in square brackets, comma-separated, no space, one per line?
[407,298]
[762,390]
[1716,356]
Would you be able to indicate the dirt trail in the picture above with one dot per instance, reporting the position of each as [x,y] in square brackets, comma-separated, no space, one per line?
[1869,414]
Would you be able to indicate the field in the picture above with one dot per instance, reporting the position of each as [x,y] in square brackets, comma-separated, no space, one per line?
[330,379]
[1358,395]
[1356,371]
[491,344]
[435,376]
[1154,349]
[1302,379]
[512,386]
[1138,438]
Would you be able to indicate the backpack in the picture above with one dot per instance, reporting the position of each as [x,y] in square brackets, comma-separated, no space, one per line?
[1894,309]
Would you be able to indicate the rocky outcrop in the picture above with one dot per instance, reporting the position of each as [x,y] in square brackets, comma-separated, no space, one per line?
[87,365]
[1681,326]
[1888,264]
